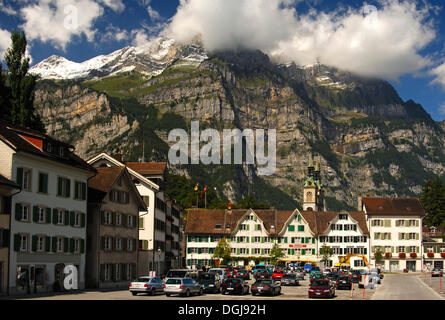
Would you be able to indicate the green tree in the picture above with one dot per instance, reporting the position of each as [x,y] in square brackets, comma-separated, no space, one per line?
[5,112]
[276,253]
[378,256]
[326,253]
[223,251]
[433,201]
[250,202]
[21,85]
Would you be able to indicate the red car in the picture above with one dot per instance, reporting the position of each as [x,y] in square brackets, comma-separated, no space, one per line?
[322,288]
[277,274]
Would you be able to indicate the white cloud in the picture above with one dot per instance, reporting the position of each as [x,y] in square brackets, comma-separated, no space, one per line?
[113,33]
[116,5]
[140,38]
[439,73]
[442,109]
[386,43]
[154,15]
[59,21]
[5,42]
[7,9]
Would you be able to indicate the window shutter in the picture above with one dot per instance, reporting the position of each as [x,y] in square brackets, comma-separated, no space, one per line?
[313,251]
[72,218]
[285,239]
[84,191]
[59,186]
[303,251]
[34,243]
[102,243]
[68,188]
[67,217]
[145,244]
[55,214]
[133,270]
[248,227]
[406,248]
[212,239]
[48,244]
[82,246]
[199,250]
[262,239]
[141,223]
[406,223]
[18,211]
[83,219]
[48,215]
[417,250]
[134,245]
[72,245]
[237,250]
[17,240]
[65,245]
[76,190]
[54,244]
[20,177]
[262,251]
[35,215]
[417,236]
[189,250]
[247,239]
[417,223]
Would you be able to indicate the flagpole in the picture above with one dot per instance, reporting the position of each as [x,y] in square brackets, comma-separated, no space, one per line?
[205,199]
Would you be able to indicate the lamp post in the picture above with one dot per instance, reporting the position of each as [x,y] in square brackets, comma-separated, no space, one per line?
[159,251]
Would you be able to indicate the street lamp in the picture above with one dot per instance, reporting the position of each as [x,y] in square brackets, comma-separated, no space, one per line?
[159,251]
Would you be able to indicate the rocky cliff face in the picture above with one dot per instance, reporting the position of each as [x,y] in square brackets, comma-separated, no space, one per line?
[367,139]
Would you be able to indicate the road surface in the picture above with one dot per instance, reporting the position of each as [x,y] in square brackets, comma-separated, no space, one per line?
[404,287]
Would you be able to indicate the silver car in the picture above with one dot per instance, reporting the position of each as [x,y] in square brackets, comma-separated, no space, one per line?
[290,279]
[150,285]
[183,287]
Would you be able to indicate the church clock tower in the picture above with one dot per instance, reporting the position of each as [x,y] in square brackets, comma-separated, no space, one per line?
[313,193]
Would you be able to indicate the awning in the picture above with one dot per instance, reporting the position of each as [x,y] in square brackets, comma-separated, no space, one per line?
[298,260]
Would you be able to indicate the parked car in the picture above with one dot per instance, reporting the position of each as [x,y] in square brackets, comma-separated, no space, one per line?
[316,276]
[290,279]
[271,287]
[300,273]
[150,285]
[221,271]
[182,287]
[210,281]
[436,272]
[277,274]
[262,275]
[235,285]
[344,282]
[356,275]
[321,288]
[258,267]
[327,271]
[243,274]
[182,273]
[333,277]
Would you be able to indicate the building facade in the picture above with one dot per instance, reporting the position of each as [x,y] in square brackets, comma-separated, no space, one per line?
[48,224]
[113,232]
[433,247]
[395,227]
[8,188]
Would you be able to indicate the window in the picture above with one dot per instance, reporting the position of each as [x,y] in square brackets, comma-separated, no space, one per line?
[400,249]
[60,216]
[118,219]
[146,200]
[108,217]
[43,182]
[41,215]
[291,228]
[40,243]
[243,227]
[62,151]
[118,272]
[107,245]
[23,243]
[412,249]
[131,221]
[412,223]
[24,213]
[130,246]
[80,190]
[63,187]
[59,244]
[300,228]
[107,272]
[77,246]
[77,219]
[377,223]
[26,184]
[218,226]
[118,244]
[412,236]
[400,223]
[343,217]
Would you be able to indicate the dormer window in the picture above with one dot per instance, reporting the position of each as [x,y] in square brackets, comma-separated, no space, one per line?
[49,147]
[218,226]
[62,152]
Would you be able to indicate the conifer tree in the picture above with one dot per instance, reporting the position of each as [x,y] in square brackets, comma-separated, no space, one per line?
[21,85]
[433,201]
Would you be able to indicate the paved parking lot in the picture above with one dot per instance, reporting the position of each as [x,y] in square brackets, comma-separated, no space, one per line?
[287,293]
[434,283]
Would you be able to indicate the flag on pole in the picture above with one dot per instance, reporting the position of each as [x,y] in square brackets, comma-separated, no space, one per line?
[205,190]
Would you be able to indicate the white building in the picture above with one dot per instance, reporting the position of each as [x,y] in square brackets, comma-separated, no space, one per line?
[48,223]
[395,227]
[159,234]
[347,234]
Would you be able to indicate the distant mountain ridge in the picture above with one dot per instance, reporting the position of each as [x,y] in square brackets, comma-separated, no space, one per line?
[368,140]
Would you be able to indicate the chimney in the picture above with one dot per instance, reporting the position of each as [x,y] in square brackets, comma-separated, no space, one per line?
[119,156]
[360,203]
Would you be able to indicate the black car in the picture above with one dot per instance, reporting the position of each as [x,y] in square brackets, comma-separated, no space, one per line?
[210,281]
[344,282]
[243,274]
[271,287]
[235,285]
[262,275]
[333,276]
[356,275]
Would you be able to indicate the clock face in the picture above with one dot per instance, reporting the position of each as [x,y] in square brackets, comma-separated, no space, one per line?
[309,196]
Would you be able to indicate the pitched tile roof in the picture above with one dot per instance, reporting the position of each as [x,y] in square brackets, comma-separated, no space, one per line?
[393,206]
[6,182]
[360,217]
[105,178]
[15,137]
[148,168]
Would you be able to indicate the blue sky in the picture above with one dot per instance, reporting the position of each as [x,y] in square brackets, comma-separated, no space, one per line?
[411,54]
